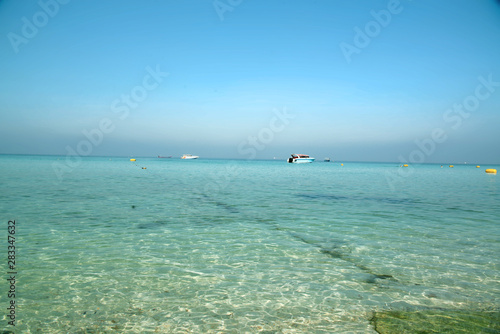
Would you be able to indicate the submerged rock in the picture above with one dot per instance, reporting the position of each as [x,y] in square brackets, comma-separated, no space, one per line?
[436,321]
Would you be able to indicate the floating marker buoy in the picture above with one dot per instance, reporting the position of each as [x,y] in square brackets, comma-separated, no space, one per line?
[132,159]
[491,171]
[405,165]
[451,166]
[478,166]
[143,167]
[342,164]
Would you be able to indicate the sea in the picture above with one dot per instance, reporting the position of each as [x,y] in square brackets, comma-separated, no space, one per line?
[110,245]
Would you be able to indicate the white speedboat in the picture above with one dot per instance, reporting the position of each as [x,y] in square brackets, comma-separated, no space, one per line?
[300,158]
[189,156]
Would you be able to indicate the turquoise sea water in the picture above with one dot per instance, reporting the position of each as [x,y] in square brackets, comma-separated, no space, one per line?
[216,246]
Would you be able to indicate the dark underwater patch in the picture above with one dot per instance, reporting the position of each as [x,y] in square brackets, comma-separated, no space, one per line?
[340,250]
[229,208]
[330,197]
[372,279]
[332,253]
[465,210]
[390,200]
[323,196]
[151,225]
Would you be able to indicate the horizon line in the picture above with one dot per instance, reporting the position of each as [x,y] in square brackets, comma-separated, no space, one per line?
[260,159]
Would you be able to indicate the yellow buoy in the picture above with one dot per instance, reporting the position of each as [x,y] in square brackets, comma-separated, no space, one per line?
[405,165]
[478,166]
[491,171]
[342,164]
[451,166]
[143,167]
[132,159]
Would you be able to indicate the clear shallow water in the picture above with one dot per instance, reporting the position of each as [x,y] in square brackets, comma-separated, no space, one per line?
[210,246]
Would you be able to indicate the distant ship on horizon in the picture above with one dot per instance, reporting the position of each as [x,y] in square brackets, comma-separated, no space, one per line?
[189,156]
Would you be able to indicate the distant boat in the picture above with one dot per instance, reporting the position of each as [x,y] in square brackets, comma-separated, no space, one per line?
[164,157]
[327,159]
[189,156]
[300,158]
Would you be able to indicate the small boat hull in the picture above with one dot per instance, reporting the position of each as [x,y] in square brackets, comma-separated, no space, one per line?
[300,159]
[189,157]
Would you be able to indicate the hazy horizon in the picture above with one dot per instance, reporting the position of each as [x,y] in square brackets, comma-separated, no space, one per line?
[278,158]
[384,81]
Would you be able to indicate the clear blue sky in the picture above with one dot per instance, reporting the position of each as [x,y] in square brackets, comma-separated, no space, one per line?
[68,67]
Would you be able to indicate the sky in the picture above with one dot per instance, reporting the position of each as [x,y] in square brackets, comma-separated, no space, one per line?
[393,81]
